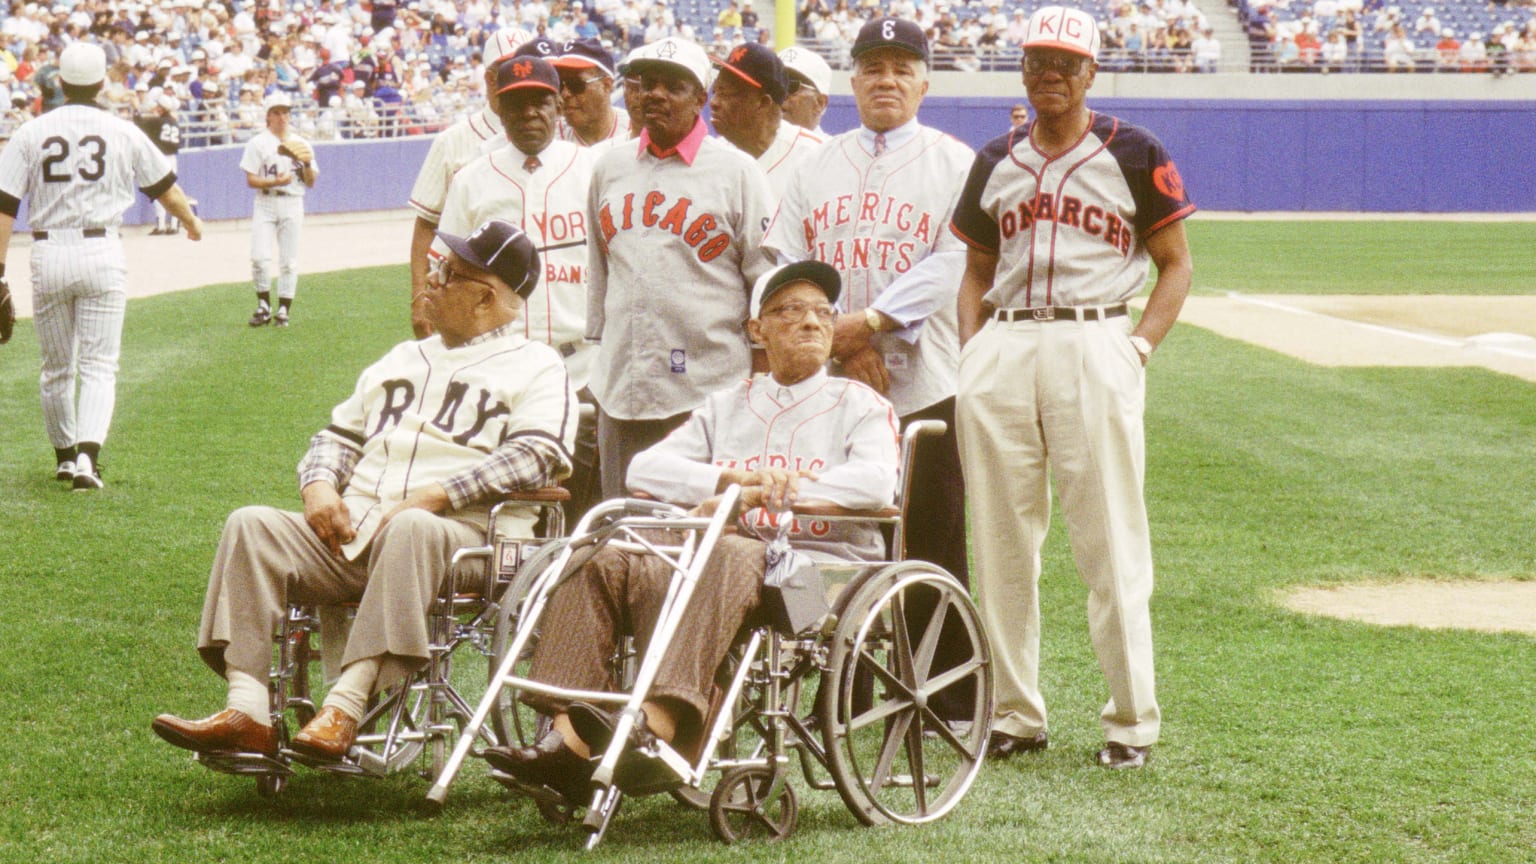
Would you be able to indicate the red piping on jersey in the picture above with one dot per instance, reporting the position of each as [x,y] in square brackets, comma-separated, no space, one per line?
[1029,292]
[863,173]
[549,295]
[1170,218]
[420,206]
[1050,278]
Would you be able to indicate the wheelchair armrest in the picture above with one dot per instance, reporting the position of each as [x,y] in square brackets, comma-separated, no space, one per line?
[546,495]
[823,510]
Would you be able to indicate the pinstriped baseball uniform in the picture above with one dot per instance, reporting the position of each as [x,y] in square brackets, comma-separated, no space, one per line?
[277,217]
[78,167]
[451,150]
[1067,395]
[550,205]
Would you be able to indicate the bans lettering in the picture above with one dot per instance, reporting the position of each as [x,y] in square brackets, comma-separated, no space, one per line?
[653,211]
[399,393]
[1093,220]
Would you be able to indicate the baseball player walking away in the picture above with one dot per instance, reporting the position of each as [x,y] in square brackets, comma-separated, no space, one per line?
[281,167]
[1063,217]
[162,128]
[452,149]
[77,166]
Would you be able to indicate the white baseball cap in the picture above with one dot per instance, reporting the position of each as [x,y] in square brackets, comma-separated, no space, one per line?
[503,43]
[169,102]
[673,51]
[808,65]
[1070,30]
[276,100]
[82,64]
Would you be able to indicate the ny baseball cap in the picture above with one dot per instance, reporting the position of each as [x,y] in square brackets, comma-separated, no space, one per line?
[757,65]
[808,65]
[539,47]
[1071,30]
[817,273]
[891,33]
[585,54]
[521,73]
[82,64]
[501,249]
[503,44]
[277,101]
[689,57]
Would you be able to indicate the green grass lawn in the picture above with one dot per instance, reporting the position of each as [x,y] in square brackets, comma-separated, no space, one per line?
[1286,738]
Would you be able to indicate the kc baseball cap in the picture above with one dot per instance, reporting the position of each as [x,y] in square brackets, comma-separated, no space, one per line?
[585,54]
[277,101]
[82,64]
[689,57]
[520,73]
[539,47]
[817,273]
[891,33]
[757,65]
[807,64]
[1070,30]
[501,249]
[503,44]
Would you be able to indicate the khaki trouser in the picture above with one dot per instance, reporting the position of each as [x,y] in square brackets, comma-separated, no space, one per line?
[269,558]
[1062,399]
[619,592]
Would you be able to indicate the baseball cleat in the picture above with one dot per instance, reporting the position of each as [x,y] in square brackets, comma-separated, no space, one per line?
[65,471]
[87,474]
[263,315]
[281,319]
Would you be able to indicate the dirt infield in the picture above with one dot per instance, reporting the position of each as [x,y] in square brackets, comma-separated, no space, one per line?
[1489,607]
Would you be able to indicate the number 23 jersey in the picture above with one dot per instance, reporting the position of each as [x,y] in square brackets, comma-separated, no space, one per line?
[79,167]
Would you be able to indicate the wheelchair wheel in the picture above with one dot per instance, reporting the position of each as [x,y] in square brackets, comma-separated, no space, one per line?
[892,757]
[749,737]
[739,808]
[516,724]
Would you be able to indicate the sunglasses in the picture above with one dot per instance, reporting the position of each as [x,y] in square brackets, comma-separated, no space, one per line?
[577,86]
[796,85]
[1064,64]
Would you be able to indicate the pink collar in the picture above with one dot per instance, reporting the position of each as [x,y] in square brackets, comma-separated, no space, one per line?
[686,149]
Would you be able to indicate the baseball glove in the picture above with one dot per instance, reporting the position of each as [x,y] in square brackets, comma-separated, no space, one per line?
[7,312]
[297,149]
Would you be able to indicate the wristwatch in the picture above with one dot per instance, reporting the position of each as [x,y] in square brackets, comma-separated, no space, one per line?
[1142,346]
[873,319]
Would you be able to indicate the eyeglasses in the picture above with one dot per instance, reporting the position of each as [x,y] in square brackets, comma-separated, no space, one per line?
[444,273]
[796,85]
[577,86]
[1062,63]
[795,312]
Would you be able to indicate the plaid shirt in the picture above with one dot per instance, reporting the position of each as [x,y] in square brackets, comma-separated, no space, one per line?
[520,463]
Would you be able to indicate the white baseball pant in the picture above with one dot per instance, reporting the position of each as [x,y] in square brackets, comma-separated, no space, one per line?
[79,294]
[275,226]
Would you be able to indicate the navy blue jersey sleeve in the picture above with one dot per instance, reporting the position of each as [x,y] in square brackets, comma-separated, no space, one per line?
[1154,180]
[971,223]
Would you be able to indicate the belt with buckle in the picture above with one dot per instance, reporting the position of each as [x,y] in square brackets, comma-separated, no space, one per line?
[91,233]
[1061,313]
[269,192]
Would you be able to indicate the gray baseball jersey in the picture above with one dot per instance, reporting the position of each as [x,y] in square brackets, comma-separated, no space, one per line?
[452,149]
[678,248]
[873,218]
[550,205]
[840,429]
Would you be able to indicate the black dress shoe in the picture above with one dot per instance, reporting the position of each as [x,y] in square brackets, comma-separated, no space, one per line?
[1117,755]
[636,773]
[1002,745]
[548,763]
[595,726]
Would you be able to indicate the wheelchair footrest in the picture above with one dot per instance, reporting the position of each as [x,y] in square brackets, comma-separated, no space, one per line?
[245,764]
[554,807]
[344,766]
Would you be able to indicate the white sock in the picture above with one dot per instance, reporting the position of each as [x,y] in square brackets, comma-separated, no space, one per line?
[351,691]
[248,695]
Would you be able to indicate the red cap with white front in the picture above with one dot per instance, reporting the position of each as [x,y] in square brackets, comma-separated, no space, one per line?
[1067,29]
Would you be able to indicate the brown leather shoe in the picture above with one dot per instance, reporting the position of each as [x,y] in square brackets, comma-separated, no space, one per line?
[228,731]
[328,736]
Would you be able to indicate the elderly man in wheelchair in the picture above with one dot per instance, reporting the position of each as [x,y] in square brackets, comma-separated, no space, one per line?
[793,435]
[401,478]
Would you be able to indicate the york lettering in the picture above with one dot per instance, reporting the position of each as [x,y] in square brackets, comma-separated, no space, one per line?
[561,227]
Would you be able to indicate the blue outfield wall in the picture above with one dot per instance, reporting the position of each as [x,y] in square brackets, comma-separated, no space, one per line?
[1247,155]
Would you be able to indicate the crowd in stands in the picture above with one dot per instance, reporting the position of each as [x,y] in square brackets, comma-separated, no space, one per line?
[384,68]
[1498,38]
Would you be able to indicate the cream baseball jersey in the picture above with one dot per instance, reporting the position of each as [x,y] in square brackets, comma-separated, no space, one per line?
[451,150]
[550,205]
[1070,230]
[838,428]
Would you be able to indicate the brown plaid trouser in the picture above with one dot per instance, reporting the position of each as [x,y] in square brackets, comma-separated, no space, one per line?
[619,592]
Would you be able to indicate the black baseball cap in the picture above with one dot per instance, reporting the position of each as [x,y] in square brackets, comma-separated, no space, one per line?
[542,46]
[818,273]
[501,249]
[759,66]
[891,33]
[585,54]
[517,73]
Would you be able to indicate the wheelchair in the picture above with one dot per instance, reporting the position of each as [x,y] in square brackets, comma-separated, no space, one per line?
[849,697]
[419,721]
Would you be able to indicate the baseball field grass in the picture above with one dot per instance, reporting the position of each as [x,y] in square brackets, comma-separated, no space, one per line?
[1286,738]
